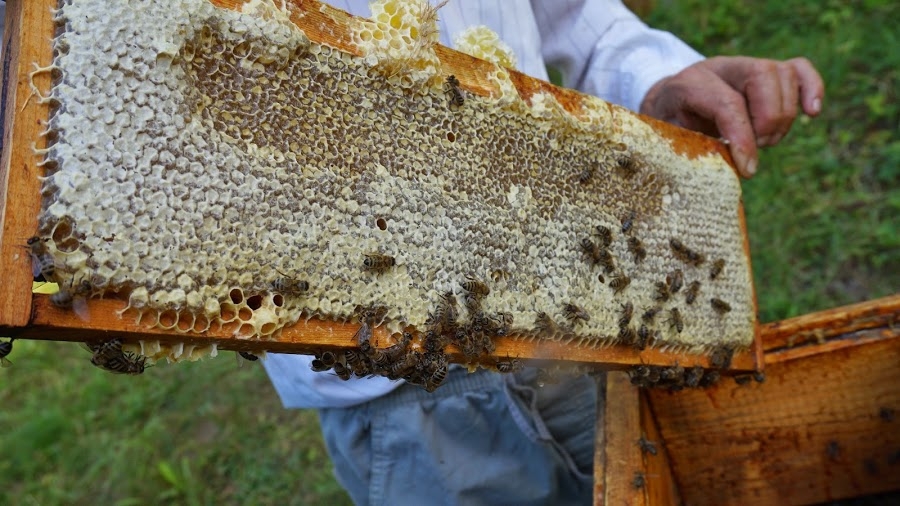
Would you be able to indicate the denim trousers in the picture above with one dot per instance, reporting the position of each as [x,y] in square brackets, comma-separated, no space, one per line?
[481,438]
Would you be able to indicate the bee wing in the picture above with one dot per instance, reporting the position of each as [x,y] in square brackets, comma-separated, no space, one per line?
[4,362]
[239,358]
[80,307]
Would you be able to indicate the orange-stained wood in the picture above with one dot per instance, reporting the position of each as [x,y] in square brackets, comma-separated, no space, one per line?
[322,24]
[26,42]
[53,323]
[623,476]
[661,485]
[820,428]
[832,324]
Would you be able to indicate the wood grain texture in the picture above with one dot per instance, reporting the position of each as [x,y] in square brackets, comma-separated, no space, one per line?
[661,485]
[823,326]
[623,460]
[322,24]
[27,42]
[820,428]
[102,319]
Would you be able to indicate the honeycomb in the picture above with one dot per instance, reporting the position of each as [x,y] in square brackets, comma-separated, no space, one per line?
[217,167]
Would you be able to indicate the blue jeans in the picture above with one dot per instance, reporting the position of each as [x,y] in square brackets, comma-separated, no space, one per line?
[481,438]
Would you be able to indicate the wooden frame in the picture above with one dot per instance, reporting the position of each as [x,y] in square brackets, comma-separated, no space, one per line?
[824,426]
[27,316]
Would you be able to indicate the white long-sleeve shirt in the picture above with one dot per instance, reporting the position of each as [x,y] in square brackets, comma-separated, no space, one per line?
[600,47]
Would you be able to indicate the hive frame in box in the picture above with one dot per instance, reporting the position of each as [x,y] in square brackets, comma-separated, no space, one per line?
[35,317]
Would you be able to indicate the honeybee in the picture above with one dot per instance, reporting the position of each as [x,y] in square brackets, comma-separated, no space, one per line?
[5,349]
[475,286]
[62,299]
[686,254]
[403,365]
[289,285]
[42,263]
[341,371]
[710,378]
[628,221]
[636,247]
[125,363]
[627,165]
[248,356]
[662,292]
[619,282]
[501,323]
[509,365]
[693,289]
[675,281]
[650,314]
[437,378]
[628,335]
[716,268]
[451,88]
[74,298]
[643,336]
[625,314]
[363,334]
[357,362]
[639,480]
[693,376]
[586,175]
[675,319]
[720,357]
[655,374]
[318,366]
[592,250]
[743,379]
[605,234]
[720,306]
[328,358]
[647,446]
[674,373]
[575,313]
[104,351]
[545,324]
[378,263]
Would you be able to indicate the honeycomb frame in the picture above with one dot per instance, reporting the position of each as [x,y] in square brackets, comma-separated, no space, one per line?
[544,106]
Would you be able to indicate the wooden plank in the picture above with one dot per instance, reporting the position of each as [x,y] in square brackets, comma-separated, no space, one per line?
[622,429]
[101,318]
[661,485]
[27,42]
[820,428]
[325,25]
[832,324]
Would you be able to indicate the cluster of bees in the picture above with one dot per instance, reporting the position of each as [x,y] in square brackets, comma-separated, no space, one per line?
[597,251]
[424,363]
[109,356]
[399,361]
[675,378]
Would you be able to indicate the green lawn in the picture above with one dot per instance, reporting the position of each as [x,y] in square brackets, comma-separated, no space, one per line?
[819,214]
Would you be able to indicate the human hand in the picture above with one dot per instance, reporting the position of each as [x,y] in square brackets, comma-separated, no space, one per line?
[748,101]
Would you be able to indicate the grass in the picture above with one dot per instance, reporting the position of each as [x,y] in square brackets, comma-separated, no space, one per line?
[822,211]
[822,215]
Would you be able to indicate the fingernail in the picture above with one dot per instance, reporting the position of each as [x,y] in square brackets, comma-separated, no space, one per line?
[751,167]
[816,105]
[763,141]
